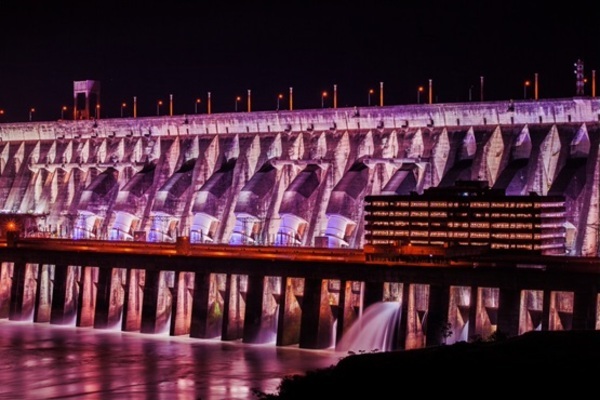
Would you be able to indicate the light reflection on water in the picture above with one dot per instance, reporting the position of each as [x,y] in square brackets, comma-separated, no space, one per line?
[43,361]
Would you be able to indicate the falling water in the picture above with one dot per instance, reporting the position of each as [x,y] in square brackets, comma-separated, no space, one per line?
[375,330]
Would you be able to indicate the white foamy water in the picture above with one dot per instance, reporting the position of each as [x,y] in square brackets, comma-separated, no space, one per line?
[374,330]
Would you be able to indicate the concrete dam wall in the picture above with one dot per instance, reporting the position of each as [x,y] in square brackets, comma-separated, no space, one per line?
[292,177]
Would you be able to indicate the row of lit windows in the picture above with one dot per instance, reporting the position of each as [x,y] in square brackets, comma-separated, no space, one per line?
[476,204]
[551,235]
[466,225]
[559,212]
[471,204]
[553,215]
[438,214]
[390,213]
[455,234]
[458,234]
[441,214]
[521,246]
[557,204]
[493,245]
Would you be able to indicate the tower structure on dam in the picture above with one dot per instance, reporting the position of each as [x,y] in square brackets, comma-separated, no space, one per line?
[293,177]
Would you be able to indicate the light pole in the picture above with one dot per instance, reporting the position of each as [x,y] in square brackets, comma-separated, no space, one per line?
[525,86]
[196,106]
[123,105]
[97,111]
[419,91]
[158,104]
[31,111]
[369,99]
[62,112]
[279,97]
[323,95]
[237,100]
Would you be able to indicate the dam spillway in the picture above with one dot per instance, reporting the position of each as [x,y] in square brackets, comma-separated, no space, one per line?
[292,177]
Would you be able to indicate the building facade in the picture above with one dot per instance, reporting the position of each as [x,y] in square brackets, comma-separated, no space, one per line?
[471,214]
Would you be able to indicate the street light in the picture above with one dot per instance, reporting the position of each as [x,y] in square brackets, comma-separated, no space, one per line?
[62,112]
[525,86]
[97,111]
[279,97]
[31,111]
[237,100]
[1,113]
[323,95]
[196,106]
[419,91]
[158,104]
[123,105]
[371,91]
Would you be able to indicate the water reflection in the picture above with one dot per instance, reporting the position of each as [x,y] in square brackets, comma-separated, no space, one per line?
[43,361]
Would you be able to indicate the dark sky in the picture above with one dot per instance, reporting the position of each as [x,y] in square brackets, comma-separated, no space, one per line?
[187,48]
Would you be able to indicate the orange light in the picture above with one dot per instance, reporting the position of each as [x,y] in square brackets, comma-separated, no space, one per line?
[11,226]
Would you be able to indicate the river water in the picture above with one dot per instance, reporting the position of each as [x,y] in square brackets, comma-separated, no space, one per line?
[43,361]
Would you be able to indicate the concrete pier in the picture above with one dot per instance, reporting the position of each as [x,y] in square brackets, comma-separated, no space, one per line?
[292,299]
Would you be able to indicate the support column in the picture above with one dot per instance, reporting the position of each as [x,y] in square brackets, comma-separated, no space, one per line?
[349,306]
[103,298]
[182,304]
[133,300]
[473,311]
[234,311]
[546,309]
[17,292]
[341,317]
[317,320]
[6,272]
[199,326]
[290,311]
[585,305]
[403,324]
[43,299]
[109,298]
[417,316]
[163,286]
[437,314]
[150,303]
[254,306]
[63,310]
[509,307]
[87,297]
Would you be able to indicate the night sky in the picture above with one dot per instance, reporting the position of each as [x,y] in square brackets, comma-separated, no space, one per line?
[188,48]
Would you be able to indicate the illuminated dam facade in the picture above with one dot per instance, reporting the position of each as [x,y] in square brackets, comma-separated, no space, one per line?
[292,177]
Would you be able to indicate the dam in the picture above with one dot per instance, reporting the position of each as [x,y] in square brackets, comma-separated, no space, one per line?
[291,178]
[223,225]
